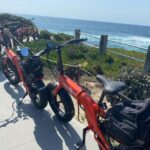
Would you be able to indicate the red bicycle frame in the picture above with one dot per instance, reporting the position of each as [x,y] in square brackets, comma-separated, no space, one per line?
[16,61]
[92,109]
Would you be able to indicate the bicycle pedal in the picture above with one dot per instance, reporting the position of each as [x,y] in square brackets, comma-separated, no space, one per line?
[78,145]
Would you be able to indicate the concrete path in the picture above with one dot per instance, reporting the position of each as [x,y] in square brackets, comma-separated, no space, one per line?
[26,128]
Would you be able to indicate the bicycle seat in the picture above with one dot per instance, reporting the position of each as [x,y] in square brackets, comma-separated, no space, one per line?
[111,87]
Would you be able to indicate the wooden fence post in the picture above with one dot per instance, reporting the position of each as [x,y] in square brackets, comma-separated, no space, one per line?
[77,33]
[103,44]
[147,62]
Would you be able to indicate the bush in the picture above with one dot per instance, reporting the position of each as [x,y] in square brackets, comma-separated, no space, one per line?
[92,54]
[138,83]
[109,60]
[138,86]
[74,53]
[62,37]
[65,37]
[8,18]
[97,69]
[58,37]
[44,34]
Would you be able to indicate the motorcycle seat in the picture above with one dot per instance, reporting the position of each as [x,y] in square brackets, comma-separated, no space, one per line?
[111,87]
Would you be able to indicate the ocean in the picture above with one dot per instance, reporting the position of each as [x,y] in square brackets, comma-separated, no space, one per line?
[129,34]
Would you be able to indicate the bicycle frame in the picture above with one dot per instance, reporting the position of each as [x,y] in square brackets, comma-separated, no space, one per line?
[91,107]
[16,60]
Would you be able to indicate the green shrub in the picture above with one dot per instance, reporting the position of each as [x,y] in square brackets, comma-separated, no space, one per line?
[6,18]
[44,34]
[137,82]
[109,60]
[92,54]
[62,37]
[65,37]
[58,37]
[75,54]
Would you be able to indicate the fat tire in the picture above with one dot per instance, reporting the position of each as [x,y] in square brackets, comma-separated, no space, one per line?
[38,88]
[67,103]
[13,69]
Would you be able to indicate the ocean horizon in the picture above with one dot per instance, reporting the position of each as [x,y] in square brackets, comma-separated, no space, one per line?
[138,35]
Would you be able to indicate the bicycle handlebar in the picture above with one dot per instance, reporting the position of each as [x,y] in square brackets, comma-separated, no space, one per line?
[46,50]
[41,53]
[51,46]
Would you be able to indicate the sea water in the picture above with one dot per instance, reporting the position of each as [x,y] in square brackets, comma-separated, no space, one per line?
[124,33]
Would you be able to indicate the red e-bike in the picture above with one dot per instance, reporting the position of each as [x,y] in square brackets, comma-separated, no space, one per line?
[25,67]
[127,123]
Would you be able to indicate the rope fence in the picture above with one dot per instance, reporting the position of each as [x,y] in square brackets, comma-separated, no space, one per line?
[102,47]
[122,55]
[128,45]
[130,57]
[96,37]
[103,40]
[90,35]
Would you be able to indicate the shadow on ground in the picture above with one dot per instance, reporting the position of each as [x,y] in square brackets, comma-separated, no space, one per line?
[49,132]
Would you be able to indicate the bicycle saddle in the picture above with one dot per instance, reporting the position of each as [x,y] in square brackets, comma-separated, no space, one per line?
[111,87]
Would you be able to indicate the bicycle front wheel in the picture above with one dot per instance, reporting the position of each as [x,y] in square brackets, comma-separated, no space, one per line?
[10,71]
[62,105]
[38,94]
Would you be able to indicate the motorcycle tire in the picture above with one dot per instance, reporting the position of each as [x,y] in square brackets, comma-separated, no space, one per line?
[10,71]
[38,94]
[62,105]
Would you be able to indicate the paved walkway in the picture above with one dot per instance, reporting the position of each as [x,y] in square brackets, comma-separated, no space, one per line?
[26,128]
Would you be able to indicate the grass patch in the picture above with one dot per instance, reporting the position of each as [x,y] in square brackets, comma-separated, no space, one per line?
[89,58]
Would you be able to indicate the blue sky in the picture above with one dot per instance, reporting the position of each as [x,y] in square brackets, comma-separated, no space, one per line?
[120,11]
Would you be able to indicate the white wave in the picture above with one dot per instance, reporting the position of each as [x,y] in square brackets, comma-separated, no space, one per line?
[132,40]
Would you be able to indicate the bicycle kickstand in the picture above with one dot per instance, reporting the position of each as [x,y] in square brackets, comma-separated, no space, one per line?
[80,144]
[19,103]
